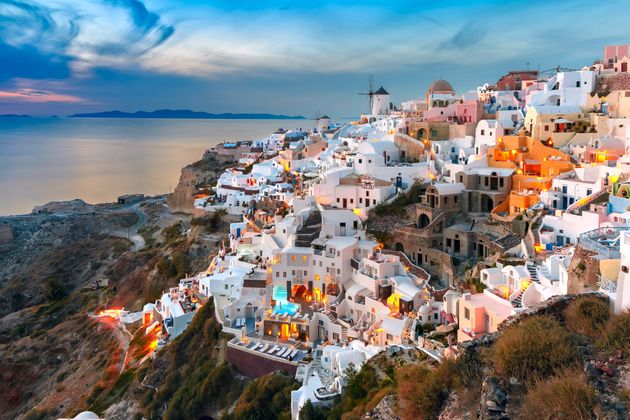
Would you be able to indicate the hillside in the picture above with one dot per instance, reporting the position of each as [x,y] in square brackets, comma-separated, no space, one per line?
[565,358]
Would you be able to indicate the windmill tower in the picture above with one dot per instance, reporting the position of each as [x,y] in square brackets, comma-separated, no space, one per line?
[322,122]
[378,100]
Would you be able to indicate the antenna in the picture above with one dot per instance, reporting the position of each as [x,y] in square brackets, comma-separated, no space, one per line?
[370,91]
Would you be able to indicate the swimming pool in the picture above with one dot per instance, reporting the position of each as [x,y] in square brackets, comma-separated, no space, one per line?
[283,306]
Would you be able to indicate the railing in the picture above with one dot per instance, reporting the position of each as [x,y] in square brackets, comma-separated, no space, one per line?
[607,284]
[604,241]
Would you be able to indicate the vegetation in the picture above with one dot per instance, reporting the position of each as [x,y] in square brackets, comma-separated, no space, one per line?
[618,333]
[173,233]
[534,349]
[194,380]
[266,398]
[587,316]
[423,391]
[211,222]
[54,290]
[398,206]
[566,396]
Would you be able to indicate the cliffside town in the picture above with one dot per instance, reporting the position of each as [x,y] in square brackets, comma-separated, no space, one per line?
[456,256]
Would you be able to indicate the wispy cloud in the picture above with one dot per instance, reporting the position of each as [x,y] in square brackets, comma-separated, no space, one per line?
[36,96]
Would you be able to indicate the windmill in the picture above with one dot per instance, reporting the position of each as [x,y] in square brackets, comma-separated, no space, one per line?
[370,92]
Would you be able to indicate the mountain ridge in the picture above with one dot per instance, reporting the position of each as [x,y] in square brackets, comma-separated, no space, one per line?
[186,114]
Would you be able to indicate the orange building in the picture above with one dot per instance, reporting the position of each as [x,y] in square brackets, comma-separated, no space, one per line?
[535,165]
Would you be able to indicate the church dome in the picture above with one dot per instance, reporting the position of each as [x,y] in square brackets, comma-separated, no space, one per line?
[441,86]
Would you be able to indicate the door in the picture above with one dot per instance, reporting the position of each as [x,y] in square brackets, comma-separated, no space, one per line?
[624,67]
[345,203]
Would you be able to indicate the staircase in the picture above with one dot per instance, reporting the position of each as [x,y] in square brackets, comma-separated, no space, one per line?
[518,301]
[310,230]
[344,334]
[332,317]
[533,274]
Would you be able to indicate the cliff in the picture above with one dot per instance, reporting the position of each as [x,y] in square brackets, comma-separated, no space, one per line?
[197,178]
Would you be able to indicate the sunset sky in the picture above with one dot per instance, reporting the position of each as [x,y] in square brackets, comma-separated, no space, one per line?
[283,56]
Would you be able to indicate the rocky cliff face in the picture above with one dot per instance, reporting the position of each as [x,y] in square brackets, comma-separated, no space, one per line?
[195,178]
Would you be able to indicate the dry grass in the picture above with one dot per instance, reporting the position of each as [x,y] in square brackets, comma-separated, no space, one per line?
[617,336]
[422,391]
[587,315]
[533,349]
[566,396]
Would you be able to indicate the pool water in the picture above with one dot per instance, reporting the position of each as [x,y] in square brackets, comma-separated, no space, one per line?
[283,306]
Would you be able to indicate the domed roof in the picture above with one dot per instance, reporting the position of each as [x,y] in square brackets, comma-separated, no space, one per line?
[87,415]
[441,86]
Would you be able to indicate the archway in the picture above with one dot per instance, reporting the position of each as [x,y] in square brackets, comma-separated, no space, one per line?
[399,247]
[423,221]
[487,204]
[422,133]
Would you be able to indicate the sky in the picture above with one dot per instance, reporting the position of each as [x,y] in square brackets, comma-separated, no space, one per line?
[294,57]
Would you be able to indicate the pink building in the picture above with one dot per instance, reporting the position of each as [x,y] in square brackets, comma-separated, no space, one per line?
[456,113]
[614,53]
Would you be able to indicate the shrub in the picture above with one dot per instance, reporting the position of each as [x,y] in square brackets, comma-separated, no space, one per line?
[55,290]
[587,316]
[422,391]
[533,349]
[566,396]
[618,332]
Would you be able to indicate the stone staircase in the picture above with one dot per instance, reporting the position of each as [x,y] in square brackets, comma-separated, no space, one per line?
[344,334]
[310,230]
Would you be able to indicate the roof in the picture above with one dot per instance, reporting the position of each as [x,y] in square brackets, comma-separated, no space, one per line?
[393,326]
[445,188]
[381,91]
[553,109]
[441,86]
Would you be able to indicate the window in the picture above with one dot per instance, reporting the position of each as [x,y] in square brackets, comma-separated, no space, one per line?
[546,128]
[360,200]
[456,199]
[483,132]
[355,224]
[337,200]
[304,258]
[292,257]
[435,316]
[466,313]
[389,337]
[360,160]
[589,192]
[624,268]
[367,193]
[374,202]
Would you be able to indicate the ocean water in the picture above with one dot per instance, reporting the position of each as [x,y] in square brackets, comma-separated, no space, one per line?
[51,159]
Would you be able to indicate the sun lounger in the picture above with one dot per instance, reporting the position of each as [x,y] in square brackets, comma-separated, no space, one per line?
[264,348]
[257,346]
[274,348]
[286,352]
[293,353]
[280,350]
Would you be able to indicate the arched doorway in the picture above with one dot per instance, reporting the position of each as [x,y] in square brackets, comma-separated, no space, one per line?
[423,221]
[422,133]
[487,204]
[399,247]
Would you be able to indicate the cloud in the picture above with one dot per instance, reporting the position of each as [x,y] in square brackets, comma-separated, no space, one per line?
[81,34]
[36,96]
[466,37]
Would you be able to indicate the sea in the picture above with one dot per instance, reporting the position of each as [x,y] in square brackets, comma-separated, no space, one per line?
[99,159]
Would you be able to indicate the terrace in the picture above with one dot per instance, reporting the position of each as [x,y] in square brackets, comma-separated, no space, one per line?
[605,241]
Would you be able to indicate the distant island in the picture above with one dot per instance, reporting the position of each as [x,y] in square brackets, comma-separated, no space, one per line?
[14,116]
[186,114]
